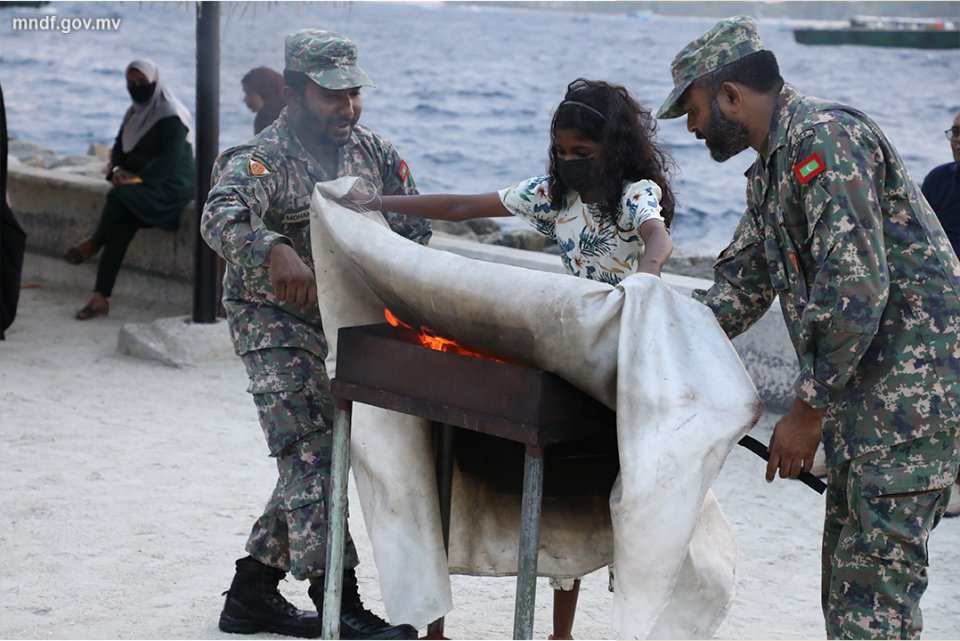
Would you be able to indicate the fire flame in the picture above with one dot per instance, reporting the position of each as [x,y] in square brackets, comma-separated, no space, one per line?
[429,338]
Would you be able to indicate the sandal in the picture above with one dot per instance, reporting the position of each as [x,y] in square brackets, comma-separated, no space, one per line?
[90,311]
[80,253]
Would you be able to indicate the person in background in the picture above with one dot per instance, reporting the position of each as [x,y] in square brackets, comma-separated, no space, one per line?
[257,218]
[13,239]
[941,188]
[870,291]
[153,175]
[606,201]
[263,95]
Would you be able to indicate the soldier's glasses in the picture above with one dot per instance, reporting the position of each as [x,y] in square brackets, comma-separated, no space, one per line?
[952,132]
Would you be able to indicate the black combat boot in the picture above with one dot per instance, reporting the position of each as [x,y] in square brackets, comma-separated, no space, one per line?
[357,622]
[254,604]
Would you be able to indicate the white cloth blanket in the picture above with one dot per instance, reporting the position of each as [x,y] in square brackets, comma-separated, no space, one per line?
[681,394]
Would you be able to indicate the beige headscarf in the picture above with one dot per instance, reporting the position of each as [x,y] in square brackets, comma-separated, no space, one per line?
[162,104]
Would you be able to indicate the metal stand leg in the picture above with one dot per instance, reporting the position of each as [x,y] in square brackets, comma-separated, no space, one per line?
[445,494]
[529,543]
[337,520]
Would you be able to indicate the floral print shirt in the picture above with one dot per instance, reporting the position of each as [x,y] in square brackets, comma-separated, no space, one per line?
[591,245]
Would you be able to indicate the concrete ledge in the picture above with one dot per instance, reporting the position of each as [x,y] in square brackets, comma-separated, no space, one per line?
[58,210]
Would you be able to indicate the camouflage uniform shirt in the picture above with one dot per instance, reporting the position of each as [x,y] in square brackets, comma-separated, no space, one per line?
[261,196]
[867,282]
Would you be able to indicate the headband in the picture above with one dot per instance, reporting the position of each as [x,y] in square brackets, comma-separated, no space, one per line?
[584,105]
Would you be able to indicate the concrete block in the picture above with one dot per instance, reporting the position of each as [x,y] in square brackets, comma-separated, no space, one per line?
[177,341]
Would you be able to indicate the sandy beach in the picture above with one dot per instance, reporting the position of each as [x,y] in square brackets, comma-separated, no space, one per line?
[129,487]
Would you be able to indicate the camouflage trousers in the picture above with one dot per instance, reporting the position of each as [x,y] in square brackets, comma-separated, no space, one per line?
[292,393]
[881,508]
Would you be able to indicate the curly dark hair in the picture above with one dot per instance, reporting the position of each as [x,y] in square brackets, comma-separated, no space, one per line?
[626,132]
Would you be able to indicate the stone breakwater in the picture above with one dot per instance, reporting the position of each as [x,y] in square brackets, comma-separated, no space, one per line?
[485,230]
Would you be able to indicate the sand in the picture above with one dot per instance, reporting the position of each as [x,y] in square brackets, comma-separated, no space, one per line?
[128,488]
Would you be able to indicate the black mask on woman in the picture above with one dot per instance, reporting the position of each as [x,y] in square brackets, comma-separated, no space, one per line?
[577,174]
[142,93]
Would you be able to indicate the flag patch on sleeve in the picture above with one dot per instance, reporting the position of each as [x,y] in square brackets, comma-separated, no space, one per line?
[808,168]
[403,171]
[257,168]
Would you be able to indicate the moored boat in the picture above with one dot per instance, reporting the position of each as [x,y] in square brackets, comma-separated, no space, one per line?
[871,31]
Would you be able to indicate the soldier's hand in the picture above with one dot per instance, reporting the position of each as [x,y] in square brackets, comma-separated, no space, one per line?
[794,441]
[292,280]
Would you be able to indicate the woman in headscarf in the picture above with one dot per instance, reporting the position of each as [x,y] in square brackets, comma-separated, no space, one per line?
[263,94]
[154,177]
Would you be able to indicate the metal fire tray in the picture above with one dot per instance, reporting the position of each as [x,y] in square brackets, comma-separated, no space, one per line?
[387,366]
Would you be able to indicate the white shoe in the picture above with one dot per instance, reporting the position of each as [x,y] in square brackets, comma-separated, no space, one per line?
[953,507]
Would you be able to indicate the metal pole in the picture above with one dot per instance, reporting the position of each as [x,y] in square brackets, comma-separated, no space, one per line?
[529,543]
[337,526]
[208,143]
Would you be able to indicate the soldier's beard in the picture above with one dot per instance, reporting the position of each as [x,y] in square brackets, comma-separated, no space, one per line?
[331,131]
[725,138]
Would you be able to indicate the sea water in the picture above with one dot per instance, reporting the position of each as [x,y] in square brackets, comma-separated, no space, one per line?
[464,92]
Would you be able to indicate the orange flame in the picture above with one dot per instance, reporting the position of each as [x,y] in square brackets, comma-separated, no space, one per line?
[429,338]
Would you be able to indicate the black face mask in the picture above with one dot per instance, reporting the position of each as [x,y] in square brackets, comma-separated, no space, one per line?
[142,93]
[577,174]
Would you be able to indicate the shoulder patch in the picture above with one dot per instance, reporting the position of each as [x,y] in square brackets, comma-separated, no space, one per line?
[403,171]
[256,168]
[809,167]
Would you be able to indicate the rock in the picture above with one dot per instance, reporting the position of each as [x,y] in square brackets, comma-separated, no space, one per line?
[483,226]
[517,238]
[99,151]
[695,265]
[454,229]
[20,149]
[32,161]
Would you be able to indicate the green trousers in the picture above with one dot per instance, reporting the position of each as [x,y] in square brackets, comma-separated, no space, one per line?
[292,393]
[881,508]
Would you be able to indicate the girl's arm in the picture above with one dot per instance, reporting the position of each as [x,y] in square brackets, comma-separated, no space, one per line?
[657,246]
[452,207]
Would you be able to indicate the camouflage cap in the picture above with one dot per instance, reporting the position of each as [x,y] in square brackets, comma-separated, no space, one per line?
[328,58]
[728,40]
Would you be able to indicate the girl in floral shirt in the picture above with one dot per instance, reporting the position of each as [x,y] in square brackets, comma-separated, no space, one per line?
[605,201]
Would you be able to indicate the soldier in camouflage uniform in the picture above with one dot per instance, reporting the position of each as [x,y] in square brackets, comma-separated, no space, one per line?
[256,217]
[870,291]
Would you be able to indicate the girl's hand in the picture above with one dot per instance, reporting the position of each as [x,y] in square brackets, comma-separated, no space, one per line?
[363,196]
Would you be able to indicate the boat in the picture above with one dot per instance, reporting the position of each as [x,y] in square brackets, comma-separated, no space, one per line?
[875,31]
